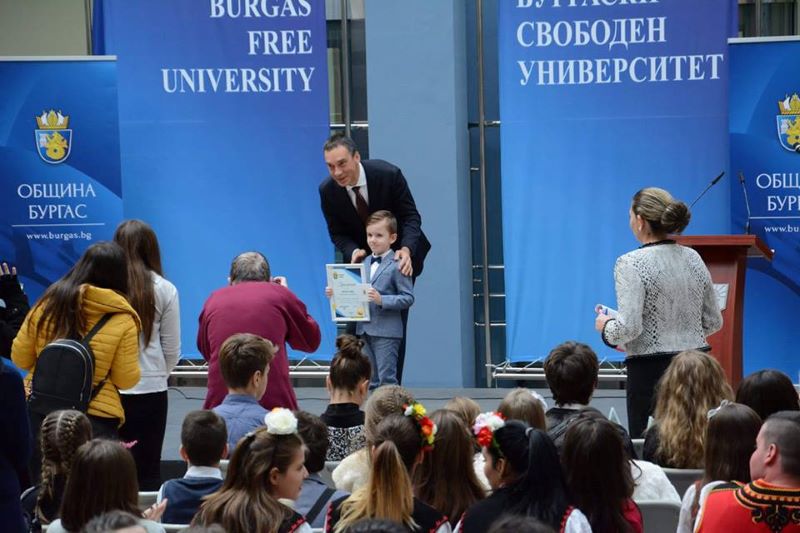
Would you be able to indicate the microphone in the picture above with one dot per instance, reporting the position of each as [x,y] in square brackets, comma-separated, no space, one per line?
[746,203]
[713,182]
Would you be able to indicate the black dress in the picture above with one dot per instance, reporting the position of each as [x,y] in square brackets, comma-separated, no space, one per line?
[345,430]
[427,518]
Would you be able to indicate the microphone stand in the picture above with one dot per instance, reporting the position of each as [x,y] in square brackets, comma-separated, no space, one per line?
[746,203]
[713,182]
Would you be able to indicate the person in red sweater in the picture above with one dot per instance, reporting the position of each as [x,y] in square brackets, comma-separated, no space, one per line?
[254,302]
[771,502]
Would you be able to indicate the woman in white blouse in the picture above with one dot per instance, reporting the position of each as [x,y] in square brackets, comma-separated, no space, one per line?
[665,300]
[156,301]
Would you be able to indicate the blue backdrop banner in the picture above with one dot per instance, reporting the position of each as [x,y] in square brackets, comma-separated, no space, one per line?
[59,164]
[223,113]
[765,156]
[599,99]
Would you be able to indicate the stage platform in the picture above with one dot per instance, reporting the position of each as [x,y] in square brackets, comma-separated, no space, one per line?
[315,400]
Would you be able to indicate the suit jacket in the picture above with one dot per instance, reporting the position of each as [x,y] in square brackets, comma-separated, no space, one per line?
[387,189]
[262,308]
[397,293]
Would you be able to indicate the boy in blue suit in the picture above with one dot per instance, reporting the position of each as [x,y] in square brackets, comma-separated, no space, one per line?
[390,293]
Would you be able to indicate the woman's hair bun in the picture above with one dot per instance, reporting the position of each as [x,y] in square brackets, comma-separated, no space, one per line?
[675,217]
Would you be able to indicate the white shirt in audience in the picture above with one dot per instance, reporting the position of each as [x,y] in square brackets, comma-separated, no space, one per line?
[478,461]
[685,522]
[651,483]
[352,472]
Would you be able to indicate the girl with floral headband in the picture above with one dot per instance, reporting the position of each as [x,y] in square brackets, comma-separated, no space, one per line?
[267,464]
[524,471]
[397,445]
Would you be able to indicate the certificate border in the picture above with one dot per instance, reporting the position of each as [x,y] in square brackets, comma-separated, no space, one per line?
[329,268]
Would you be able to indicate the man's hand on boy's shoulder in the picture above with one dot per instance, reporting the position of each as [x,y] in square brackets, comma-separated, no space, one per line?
[403,258]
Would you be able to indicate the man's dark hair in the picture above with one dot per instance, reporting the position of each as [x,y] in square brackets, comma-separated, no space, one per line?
[249,266]
[203,436]
[241,356]
[314,433]
[783,430]
[110,522]
[340,139]
[571,371]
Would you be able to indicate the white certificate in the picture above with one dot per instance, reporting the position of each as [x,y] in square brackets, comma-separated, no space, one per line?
[349,300]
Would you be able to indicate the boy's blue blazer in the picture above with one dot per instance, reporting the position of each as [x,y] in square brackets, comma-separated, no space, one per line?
[397,293]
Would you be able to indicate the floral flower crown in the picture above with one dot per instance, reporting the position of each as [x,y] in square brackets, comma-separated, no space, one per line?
[280,421]
[427,429]
[485,426]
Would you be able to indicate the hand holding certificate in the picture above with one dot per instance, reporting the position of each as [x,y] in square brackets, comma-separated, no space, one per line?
[348,292]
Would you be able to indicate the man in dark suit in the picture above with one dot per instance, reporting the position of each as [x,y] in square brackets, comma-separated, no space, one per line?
[354,190]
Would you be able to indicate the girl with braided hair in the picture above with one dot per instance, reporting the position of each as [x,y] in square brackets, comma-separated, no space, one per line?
[63,432]
[103,479]
[268,464]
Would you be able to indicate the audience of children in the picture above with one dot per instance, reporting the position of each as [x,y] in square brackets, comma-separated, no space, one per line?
[525,474]
[62,433]
[396,444]
[444,478]
[730,441]
[315,496]
[156,302]
[103,478]
[693,383]
[204,443]
[347,384]
[766,392]
[244,361]
[594,456]
[405,471]
[267,465]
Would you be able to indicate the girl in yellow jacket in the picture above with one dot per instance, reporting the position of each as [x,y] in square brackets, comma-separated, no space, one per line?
[95,286]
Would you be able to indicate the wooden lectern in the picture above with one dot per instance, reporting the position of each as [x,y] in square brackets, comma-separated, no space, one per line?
[726,258]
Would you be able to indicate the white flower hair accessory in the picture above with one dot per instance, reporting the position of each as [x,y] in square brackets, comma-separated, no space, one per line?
[539,398]
[485,426]
[280,421]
